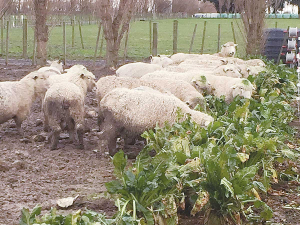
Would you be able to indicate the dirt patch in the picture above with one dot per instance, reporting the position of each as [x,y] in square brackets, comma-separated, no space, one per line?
[30,173]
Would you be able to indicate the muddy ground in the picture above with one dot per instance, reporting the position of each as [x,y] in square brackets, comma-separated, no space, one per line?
[30,173]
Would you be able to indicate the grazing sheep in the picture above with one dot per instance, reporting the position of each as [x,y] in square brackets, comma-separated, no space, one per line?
[137,70]
[228,86]
[17,97]
[181,89]
[56,67]
[63,105]
[187,76]
[163,61]
[135,111]
[227,50]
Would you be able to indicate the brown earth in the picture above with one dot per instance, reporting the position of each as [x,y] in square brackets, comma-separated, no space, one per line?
[30,173]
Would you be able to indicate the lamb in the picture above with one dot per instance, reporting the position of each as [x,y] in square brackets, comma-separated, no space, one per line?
[228,50]
[63,105]
[137,70]
[56,67]
[187,76]
[17,97]
[163,61]
[181,89]
[228,86]
[135,111]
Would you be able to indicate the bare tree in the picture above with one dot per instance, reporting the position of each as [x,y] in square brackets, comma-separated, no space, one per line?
[253,17]
[115,20]
[187,6]
[41,30]
[162,6]
[207,7]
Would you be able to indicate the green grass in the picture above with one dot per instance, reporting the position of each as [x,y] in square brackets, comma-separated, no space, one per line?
[139,43]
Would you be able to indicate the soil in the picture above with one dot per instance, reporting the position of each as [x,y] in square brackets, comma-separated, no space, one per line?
[31,174]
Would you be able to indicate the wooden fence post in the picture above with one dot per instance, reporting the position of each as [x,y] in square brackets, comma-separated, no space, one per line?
[203,37]
[175,36]
[126,45]
[193,38]
[101,44]
[73,32]
[97,43]
[24,38]
[64,44]
[34,49]
[2,36]
[7,43]
[154,48]
[233,33]
[150,35]
[276,24]
[219,37]
[81,38]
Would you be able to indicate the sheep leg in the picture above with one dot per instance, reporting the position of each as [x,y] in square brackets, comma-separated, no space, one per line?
[18,122]
[71,130]
[54,137]
[110,133]
[46,124]
[80,133]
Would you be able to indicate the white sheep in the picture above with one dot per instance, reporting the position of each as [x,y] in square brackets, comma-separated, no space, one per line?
[17,97]
[63,105]
[181,89]
[228,50]
[55,67]
[228,86]
[135,111]
[161,60]
[137,70]
[186,76]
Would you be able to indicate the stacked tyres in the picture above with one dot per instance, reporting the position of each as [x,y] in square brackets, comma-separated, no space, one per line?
[275,39]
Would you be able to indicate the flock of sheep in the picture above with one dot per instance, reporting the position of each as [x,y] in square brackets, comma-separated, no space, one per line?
[139,97]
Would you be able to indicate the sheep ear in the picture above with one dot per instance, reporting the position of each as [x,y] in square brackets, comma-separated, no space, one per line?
[225,69]
[49,62]
[150,56]
[35,77]
[235,45]
[158,55]
[82,75]
[223,45]
[194,80]
[59,61]
[233,87]
[224,61]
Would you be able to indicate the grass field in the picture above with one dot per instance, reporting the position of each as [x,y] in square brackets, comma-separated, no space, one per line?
[139,43]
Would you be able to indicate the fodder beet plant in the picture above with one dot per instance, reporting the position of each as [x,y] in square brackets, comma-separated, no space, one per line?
[220,171]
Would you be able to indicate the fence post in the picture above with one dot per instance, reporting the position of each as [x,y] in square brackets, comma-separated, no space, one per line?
[24,38]
[2,36]
[154,48]
[126,45]
[193,38]
[101,44]
[34,49]
[64,44]
[175,36]
[7,42]
[233,32]
[219,37]
[203,37]
[80,34]
[97,43]
[276,24]
[73,31]
[150,34]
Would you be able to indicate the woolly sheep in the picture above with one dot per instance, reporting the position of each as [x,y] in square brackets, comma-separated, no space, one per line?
[187,76]
[136,111]
[163,61]
[63,105]
[181,89]
[228,50]
[17,97]
[56,67]
[137,70]
[228,86]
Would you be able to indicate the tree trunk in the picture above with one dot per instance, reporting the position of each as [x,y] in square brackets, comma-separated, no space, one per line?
[41,31]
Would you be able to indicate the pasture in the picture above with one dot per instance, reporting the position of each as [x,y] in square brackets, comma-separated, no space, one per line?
[139,38]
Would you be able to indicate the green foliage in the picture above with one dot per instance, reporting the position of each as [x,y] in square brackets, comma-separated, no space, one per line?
[222,167]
